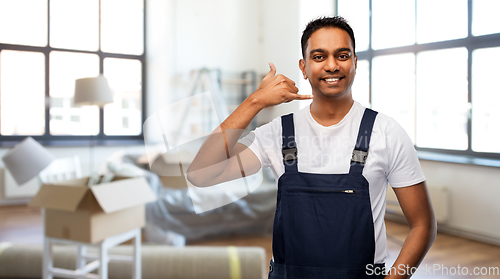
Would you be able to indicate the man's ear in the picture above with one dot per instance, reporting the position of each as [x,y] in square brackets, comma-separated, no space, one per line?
[302,66]
[355,62]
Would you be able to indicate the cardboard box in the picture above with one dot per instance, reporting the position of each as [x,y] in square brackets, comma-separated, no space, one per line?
[171,168]
[78,212]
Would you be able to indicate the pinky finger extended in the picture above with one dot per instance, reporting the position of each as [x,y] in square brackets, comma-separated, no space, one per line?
[294,96]
[302,97]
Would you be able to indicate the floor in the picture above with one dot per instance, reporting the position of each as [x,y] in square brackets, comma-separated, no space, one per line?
[448,256]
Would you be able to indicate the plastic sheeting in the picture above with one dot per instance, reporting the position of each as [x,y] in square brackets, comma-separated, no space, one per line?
[172,218]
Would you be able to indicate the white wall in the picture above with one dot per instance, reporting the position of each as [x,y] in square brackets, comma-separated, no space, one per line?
[216,34]
[474,195]
[281,45]
[159,57]
[159,52]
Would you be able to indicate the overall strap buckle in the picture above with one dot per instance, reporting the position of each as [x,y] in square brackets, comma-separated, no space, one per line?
[360,152]
[289,154]
[359,156]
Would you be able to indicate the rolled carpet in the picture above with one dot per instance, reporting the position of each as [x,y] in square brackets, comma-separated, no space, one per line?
[158,262]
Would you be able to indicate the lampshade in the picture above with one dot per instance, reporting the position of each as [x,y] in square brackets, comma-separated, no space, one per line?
[92,91]
[27,159]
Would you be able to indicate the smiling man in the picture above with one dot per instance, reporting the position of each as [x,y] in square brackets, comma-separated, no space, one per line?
[333,161]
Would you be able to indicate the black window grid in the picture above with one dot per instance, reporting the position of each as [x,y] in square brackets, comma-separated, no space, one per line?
[471,43]
[77,140]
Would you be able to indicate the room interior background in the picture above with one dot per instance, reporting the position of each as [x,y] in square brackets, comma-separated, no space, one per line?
[246,35]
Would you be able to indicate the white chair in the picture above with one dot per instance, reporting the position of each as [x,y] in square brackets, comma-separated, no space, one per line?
[69,168]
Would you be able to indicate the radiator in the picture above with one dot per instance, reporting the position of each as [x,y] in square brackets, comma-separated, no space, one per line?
[11,190]
[439,197]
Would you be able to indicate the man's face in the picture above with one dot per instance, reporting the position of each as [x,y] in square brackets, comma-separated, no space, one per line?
[330,63]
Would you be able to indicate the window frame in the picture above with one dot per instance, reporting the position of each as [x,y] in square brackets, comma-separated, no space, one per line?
[81,140]
[471,43]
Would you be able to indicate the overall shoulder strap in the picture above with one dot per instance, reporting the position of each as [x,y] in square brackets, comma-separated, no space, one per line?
[360,152]
[289,147]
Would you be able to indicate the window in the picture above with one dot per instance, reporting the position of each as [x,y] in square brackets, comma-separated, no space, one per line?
[431,65]
[401,89]
[45,45]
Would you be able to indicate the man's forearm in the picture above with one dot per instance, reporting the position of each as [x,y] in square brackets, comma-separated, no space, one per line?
[213,154]
[414,249]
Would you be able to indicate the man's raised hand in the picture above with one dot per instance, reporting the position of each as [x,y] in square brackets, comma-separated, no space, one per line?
[276,89]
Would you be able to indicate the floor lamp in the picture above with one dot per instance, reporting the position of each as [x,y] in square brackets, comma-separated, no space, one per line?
[88,92]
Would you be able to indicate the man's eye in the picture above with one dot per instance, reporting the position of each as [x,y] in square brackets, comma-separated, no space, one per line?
[344,56]
[316,57]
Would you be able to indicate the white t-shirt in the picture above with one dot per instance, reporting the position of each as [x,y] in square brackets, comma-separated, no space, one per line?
[392,157]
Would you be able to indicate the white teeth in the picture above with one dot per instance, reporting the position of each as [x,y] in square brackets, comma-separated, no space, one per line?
[331,79]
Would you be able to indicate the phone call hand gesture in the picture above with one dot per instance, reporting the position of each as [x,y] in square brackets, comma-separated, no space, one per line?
[276,89]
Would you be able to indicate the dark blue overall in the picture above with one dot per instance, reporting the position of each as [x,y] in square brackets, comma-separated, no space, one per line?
[323,226]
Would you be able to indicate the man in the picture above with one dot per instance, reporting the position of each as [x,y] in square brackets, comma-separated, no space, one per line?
[333,160]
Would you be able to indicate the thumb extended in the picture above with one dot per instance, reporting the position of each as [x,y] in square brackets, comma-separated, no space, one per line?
[272,71]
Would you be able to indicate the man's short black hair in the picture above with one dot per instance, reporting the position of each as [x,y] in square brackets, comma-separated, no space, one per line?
[326,22]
